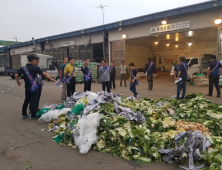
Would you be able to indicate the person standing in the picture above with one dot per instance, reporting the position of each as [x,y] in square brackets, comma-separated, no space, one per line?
[184,77]
[104,72]
[150,69]
[177,68]
[69,74]
[134,79]
[62,79]
[87,75]
[30,71]
[112,75]
[39,83]
[213,72]
[123,73]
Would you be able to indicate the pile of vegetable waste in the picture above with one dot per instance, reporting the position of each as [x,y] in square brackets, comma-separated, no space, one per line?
[163,120]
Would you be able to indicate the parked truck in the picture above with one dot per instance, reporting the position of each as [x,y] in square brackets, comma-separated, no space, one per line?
[47,64]
[196,65]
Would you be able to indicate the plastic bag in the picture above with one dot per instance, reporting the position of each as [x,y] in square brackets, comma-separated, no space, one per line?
[53,114]
[91,97]
[129,114]
[85,133]
[77,109]
[42,111]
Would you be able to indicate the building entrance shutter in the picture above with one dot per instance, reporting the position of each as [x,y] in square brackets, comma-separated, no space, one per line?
[118,54]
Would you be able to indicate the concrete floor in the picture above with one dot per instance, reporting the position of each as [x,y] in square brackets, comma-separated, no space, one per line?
[34,149]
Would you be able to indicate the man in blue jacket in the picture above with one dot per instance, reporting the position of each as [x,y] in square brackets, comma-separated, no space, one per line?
[87,75]
[184,77]
[213,73]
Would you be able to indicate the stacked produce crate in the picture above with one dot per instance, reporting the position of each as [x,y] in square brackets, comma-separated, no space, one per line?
[79,74]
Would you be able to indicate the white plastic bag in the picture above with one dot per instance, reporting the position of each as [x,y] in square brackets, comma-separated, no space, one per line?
[53,114]
[85,133]
[91,97]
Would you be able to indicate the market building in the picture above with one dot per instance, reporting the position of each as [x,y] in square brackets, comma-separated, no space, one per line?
[190,31]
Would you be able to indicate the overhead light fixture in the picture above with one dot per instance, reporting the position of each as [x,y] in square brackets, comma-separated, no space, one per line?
[156,42]
[120,23]
[177,38]
[120,29]
[124,36]
[189,44]
[168,36]
[82,31]
[190,33]
[164,22]
[214,4]
[168,45]
[218,21]
[176,46]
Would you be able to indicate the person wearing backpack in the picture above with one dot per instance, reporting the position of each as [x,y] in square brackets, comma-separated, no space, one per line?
[213,72]
[87,75]
[150,69]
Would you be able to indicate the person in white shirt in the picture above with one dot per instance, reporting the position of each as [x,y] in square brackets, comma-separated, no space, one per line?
[123,73]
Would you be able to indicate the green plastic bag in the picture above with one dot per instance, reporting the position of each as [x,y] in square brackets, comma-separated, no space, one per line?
[201,75]
[77,109]
[58,138]
[61,107]
[42,111]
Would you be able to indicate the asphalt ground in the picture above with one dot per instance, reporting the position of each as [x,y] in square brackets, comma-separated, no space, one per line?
[24,146]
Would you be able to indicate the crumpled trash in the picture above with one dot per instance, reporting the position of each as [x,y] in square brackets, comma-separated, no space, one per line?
[53,114]
[85,133]
[51,106]
[79,95]
[189,144]
[89,108]
[161,104]
[92,98]
[108,97]
[69,104]
[129,114]
[131,98]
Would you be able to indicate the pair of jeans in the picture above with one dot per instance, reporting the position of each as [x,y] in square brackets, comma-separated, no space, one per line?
[87,85]
[112,81]
[181,84]
[31,99]
[71,87]
[214,80]
[150,81]
[106,85]
[122,77]
[133,88]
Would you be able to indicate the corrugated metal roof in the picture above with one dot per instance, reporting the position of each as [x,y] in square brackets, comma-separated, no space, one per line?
[146,18]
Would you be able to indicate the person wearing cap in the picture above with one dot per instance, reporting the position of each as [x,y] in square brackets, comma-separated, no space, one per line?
[87,75]
[213,72]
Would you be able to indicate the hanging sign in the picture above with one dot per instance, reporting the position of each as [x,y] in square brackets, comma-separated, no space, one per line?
[170,27]
[67,43]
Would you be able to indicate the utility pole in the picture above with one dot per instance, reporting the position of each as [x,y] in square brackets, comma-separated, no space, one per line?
[15,38]
[103,7]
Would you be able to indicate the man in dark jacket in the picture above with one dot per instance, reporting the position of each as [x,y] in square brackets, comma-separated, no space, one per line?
[87,75]
[112,75]
[214,73]
[30,71]
[150,69]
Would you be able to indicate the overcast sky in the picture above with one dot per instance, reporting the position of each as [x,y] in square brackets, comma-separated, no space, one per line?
[41,18]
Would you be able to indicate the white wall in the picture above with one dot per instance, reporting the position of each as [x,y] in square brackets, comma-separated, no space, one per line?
[137,54]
